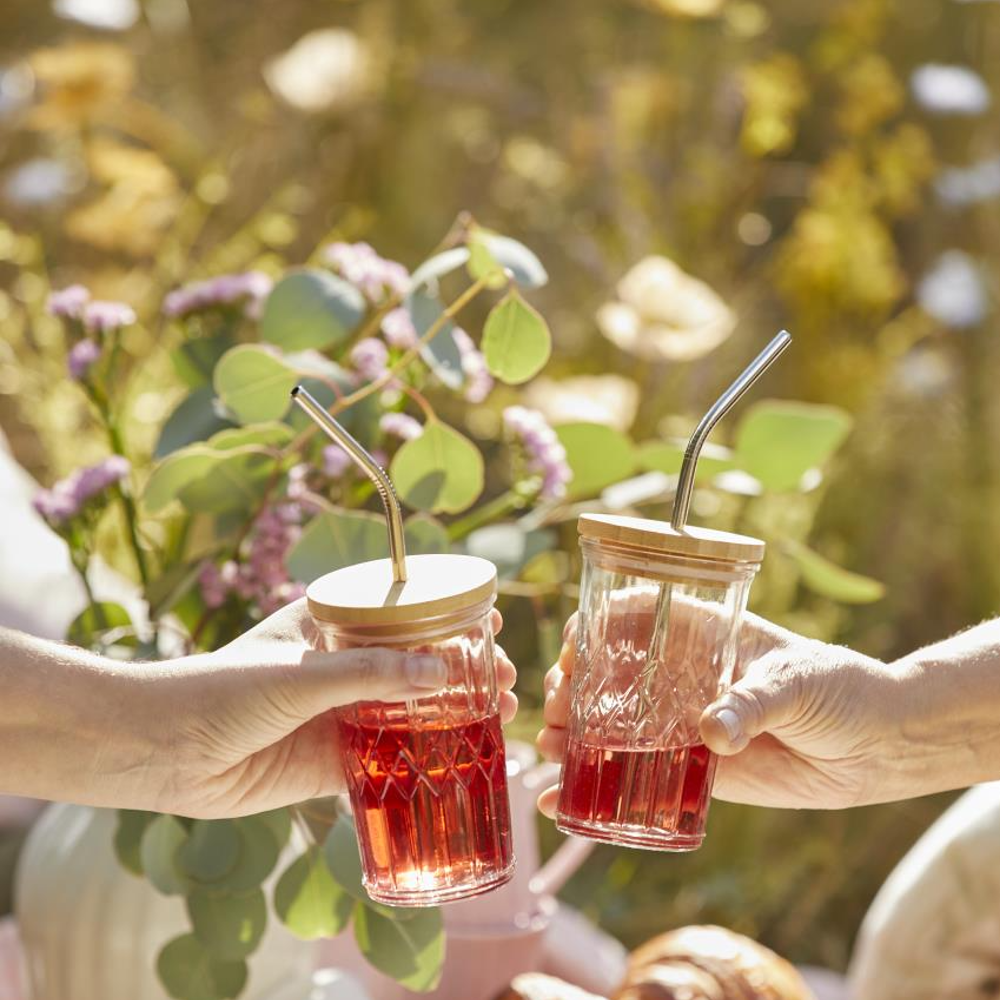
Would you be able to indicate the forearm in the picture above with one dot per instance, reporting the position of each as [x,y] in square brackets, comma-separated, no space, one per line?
[65,730]
[949,713]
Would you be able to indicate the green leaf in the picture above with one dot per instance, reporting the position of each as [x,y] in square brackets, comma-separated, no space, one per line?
[428,273]
[598,455]
[211,850]
[482,264]
[308,900]
[254,383]
[175,472]
[95,619]
[337,538]
[440,471]
[409,950]
[516,340]
[424,534]
[195,360]
[311,309]
[666,457]
[340,849]
[259,851]
[131,826]
[267,435]
[778,441]
[189,971]
[515,257]
[235,480]
[440,353]
[508,546]
[334,539]
[833,581]
[194,419]
[279,822]
[161,841]
[229,925]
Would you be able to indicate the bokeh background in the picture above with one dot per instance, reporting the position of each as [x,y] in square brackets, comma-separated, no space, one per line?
[832,167]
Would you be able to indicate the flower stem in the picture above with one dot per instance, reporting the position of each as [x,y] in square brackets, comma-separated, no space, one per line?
[500,506]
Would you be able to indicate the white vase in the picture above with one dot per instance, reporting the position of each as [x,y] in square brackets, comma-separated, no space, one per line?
[91,930]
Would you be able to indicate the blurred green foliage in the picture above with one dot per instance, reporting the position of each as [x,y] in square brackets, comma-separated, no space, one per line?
[773,150]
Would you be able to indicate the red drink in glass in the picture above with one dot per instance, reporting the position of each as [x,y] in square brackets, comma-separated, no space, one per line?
[430,803]
[609,792]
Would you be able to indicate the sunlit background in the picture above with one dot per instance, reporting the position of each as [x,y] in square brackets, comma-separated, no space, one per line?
[830,167]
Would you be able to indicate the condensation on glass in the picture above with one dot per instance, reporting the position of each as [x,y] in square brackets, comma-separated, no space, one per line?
[658,627]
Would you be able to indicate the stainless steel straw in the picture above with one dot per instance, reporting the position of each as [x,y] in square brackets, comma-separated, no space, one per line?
[750,374]
[354,448]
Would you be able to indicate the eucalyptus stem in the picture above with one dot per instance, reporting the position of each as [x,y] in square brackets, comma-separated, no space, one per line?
[506,503]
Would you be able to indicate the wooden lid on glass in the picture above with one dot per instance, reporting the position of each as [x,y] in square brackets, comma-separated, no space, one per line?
[662,538]
[437,586]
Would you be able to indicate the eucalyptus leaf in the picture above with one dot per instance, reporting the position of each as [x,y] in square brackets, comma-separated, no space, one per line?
[161,841]
[410,950]
[131,826]
[778,441]
[424,534]
[195,360]
[440,471]
[436,267]
[508,546]
[516,340]
[828,579]
[235,480]
[96,618]
[441,352]
[211,850]
[516,257]
[171,475]
[229,925]
[310,308]
[666,457]
[269,434]
[254,383]
[308,900]
[279,822]
[483,265]
[340,849]
[189,971]
[193,419]
[597,455]
[259,851]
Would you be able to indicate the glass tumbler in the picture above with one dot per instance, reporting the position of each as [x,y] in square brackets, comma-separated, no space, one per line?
[657,635]
[427,778]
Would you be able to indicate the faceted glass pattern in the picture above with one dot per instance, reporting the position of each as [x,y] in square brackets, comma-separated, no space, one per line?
[651,656]
[428,780]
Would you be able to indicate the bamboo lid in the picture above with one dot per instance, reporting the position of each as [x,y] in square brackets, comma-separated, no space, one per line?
[661,538]
[437,585]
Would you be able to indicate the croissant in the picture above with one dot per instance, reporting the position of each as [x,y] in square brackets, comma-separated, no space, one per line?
[709,963]
[536,986]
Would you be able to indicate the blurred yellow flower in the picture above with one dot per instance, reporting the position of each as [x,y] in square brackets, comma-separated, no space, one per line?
[870,94]
[662,313]
[775,92]
[598,399]
[78,81]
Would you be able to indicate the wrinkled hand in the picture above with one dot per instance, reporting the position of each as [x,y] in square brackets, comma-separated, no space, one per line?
[243,729]
[805,724]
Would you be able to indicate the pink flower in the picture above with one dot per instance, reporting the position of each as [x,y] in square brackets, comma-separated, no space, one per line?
[376,277]
[369,358]
[479,382]
[249,289]
[400,425]
[398,329]
[100,317]
[68,303]
[544,453]
[81,356]
[336,461]
[70,495]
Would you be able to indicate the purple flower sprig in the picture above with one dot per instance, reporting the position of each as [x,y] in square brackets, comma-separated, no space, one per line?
[400,425]
[247,290]
[377,278]
[544,453]
[70,496]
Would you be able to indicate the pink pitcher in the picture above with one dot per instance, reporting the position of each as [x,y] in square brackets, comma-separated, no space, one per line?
[494,937]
